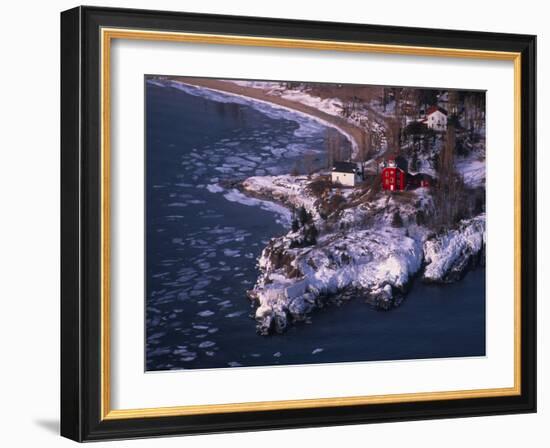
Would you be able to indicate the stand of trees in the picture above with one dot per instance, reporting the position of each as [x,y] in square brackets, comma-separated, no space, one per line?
[365,146]
[453,200]
[302,219]
[335,148]
[474,112]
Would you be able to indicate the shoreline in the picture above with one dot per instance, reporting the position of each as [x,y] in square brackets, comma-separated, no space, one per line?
[375,260]
[350,131]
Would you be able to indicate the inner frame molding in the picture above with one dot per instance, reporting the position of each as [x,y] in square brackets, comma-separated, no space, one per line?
[106,37]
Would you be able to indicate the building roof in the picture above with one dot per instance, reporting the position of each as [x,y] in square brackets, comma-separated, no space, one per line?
[345,167]
[400,162]
[433,109]
[394,168]
[420,176]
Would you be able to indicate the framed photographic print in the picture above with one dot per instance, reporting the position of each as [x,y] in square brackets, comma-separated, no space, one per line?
[273,224]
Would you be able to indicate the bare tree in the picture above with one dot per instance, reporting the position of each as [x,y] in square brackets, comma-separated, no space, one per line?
[365,145]
[446,157]
[394,134]
[309,162]
[452,102]
[450,198]
[331,143]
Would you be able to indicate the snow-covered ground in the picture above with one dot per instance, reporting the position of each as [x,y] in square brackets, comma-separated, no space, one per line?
[361,249]
[472,170]
[282,212]
[286,189]
[332,106]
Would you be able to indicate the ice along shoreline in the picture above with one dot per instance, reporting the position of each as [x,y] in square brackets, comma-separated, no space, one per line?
[351,132]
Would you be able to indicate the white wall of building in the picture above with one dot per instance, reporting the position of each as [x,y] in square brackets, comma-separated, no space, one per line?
[347,179]
[437,120]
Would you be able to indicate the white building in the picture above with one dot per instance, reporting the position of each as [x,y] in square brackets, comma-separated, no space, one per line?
[436,118]
[346,174]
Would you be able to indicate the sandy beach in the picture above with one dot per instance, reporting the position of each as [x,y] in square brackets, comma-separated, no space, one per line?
[354,132]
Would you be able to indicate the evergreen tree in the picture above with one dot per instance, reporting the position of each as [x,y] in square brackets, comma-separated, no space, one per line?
[310,235]
[396,220]
[304,216]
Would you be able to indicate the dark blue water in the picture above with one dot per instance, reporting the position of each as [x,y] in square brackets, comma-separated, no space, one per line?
[203,241]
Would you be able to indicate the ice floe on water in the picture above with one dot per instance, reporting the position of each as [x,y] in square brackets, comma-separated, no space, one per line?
[235,314]
[214,188]
[231,253]
[211,229]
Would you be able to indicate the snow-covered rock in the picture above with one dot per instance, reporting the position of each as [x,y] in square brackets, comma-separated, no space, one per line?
[448,255]
[376,265]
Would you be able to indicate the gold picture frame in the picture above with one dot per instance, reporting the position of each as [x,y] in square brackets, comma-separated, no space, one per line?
[517,49]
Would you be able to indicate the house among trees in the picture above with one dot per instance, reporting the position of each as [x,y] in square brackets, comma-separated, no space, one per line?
[394,174]
[436,118]
[419,180]
[346,173]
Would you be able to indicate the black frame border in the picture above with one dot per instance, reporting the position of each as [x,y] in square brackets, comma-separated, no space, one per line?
[81,225]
